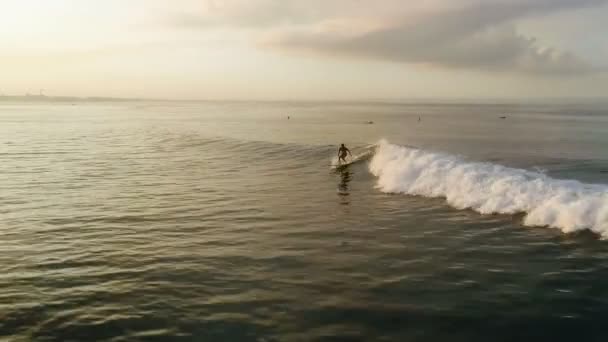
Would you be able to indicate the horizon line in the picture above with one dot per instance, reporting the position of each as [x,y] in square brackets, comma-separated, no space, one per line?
[66,98]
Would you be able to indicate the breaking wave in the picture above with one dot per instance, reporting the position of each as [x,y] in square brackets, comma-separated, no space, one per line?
[488,188]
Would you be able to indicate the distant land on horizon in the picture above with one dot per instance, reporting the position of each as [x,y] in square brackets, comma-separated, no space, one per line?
[29,97]
[539,100]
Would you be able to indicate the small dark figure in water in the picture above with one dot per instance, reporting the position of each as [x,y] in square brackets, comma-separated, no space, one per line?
[288,117]
[342,153]
[419,119]
[503,117]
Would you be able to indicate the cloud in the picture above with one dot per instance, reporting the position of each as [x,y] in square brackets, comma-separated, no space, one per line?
[269,13]
[478,36]
[467,34]
[490,49]
[254,14]
[264,14]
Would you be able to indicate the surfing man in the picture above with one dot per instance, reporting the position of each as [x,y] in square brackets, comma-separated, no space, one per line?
[342,153]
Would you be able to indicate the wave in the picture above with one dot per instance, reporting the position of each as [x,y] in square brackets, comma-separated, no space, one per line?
[488,188]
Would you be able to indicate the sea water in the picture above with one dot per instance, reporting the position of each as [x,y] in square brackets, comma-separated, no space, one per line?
[228,221]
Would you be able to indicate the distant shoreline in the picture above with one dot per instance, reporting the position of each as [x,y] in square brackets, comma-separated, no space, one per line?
[44,98]
[412,101]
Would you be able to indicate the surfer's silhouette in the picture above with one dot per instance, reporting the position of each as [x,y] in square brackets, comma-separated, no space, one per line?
[342,153]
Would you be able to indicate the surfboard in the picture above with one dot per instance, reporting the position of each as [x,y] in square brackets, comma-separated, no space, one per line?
[342,166]
[351,160]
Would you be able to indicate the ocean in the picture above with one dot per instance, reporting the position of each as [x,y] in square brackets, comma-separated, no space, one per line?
[229,221]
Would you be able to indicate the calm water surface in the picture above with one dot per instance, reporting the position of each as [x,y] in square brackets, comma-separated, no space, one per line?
[224,221]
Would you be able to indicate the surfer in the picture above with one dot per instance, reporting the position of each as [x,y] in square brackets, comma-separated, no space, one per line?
[342,153]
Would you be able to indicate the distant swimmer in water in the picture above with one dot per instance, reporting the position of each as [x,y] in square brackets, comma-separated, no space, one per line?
[342,153]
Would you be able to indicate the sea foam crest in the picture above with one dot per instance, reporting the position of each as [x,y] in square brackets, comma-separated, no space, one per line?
[490,188]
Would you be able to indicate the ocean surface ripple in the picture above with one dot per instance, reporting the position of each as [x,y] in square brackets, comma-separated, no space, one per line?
[226,222]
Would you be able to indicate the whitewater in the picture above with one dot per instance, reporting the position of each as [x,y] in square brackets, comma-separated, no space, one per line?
[488,188]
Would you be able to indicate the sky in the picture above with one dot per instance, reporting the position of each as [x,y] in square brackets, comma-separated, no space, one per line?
[305,49]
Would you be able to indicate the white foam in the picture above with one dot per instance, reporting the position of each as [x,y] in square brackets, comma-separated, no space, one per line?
[490,188]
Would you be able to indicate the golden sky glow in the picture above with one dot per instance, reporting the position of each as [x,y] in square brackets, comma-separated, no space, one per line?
[291,49]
